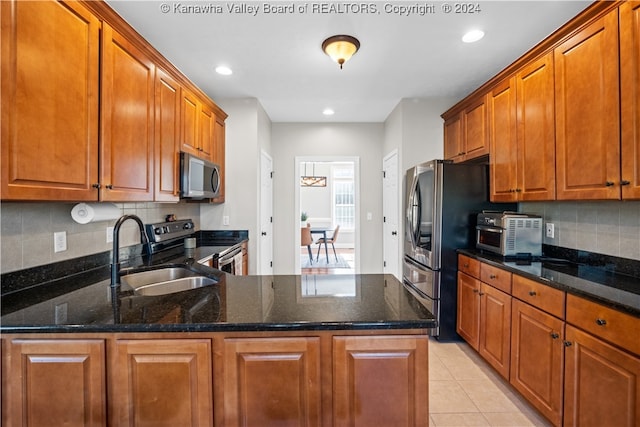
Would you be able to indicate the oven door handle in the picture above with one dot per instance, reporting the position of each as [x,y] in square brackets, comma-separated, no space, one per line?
[491,229]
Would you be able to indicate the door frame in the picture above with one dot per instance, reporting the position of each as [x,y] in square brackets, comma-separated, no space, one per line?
[296,203]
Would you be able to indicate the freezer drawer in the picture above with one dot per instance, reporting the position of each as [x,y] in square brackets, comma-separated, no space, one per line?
[427,281]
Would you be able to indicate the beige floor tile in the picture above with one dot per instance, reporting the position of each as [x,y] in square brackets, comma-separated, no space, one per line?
[487,396]
[449,397]
[461,368]
[459,420]
[509,419]
[437,370]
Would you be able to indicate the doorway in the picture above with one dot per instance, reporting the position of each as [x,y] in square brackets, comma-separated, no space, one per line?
[327,202]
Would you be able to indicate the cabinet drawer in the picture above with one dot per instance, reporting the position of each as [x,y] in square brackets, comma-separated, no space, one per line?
[496,277]
[469,265]
[611,325]
[539,295]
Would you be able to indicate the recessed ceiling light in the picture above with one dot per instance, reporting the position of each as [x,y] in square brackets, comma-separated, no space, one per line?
[473,36]
[328,112]
[224,70]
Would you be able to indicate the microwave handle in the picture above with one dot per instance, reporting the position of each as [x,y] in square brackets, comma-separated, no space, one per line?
[493,230]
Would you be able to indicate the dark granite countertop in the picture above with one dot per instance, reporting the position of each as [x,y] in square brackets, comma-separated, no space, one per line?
[594,282]
[86,303]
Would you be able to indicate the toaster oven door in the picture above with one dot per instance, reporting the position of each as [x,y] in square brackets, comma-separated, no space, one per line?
[490,238]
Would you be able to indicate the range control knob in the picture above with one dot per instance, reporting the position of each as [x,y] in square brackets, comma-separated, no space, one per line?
[188,226]
[157,230]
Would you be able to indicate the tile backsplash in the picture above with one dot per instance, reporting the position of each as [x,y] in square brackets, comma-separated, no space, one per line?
[26,236]
[608,227]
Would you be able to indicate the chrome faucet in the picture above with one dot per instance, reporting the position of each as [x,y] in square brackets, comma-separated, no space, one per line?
[115,257]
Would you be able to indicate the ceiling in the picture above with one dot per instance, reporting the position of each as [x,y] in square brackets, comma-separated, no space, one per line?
[276,57]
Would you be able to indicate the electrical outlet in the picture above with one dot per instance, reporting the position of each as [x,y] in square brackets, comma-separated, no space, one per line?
[551,232]
[225,220]
[109,234]
[60,241]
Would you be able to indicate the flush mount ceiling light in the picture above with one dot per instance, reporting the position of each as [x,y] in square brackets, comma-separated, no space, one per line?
[473,36]
[328,112]
[340,48]
[224,70]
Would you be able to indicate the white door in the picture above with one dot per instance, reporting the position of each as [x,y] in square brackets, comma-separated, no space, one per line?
[391,212]
[265,260]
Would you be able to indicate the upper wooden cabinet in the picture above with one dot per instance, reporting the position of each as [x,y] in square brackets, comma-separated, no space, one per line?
[521,134]
[85,115]
[466,135]
[587,112]
[126,161]
[630,101]
[219,143]
[49,100]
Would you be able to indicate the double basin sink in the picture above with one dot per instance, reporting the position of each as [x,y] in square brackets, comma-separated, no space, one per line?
[165,280]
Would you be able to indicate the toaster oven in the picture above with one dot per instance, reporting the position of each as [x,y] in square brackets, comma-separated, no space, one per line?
[509,233]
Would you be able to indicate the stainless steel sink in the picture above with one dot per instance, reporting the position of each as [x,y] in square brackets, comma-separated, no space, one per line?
[164,281]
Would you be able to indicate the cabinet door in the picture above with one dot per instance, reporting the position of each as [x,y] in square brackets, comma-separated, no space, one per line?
[161,383]
[167,137]
[476,141]
[468,322]
[630,92]
[502,139]
[271,381]
[189,110]
[602,383]
[453,148]
[219,155]
[50,83]
[206,126]
[380,381]
[536,131]
[537,359]
[495,328]
[127,120]
[587,113]
[54,383]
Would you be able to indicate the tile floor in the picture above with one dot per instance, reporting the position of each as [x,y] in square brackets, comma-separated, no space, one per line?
[465,391]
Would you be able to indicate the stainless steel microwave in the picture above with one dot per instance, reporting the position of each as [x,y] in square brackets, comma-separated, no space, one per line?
[199,178]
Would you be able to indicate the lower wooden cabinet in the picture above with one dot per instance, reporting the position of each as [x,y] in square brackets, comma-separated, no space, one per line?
[271,381]
[380,381]
[53,382]
[602,383]
[495,328]
[161,382]
[537,358]
[468,321]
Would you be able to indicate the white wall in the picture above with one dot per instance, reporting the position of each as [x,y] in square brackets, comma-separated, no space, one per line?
[248,130]
[291,140]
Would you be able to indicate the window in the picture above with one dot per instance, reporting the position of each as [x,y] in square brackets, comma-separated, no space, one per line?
[344,196]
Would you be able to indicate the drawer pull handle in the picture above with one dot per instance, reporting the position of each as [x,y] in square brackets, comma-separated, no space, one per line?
[475,291]
[601,322]
[466,265]
[555,335]
[532,293]
[493,276]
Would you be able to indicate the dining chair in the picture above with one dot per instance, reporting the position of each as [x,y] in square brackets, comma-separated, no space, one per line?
[327,240]
[306,240]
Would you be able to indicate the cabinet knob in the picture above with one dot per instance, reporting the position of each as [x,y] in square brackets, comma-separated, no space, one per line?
[532,293]
[96,185]
[480,293]
[493,276]
[609,183]
[518,190]
[625,182]
[555,335]
[109,187]
[475,291]
[601,322]
[568,343]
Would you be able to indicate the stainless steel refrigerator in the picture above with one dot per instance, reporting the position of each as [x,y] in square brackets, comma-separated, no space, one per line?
[442,201]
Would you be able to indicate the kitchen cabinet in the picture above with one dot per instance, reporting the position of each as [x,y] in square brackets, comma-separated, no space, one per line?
[127,104]
[53,382]
[50,99]
[198,127]
[380,381]
[484,314]
[161,382]
[521,134]
[270,381]
[587,112]
[466,136]
[630,98]
[167,137]
[219,144]
[537,356]
[602,382]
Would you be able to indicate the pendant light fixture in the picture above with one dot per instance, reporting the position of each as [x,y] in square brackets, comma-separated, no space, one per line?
[312,180]
[340,48]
